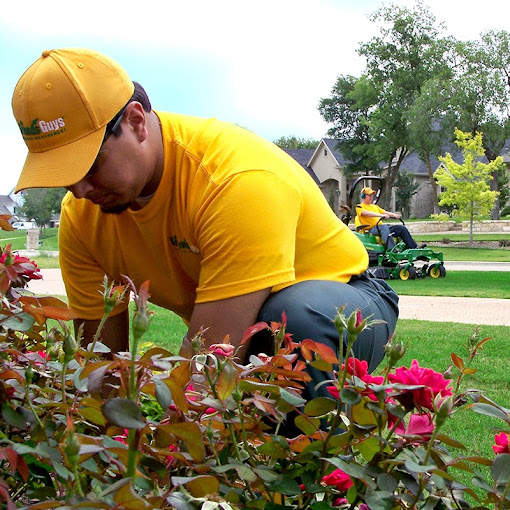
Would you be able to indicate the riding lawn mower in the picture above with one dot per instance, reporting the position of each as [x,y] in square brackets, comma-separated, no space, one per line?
[399,262]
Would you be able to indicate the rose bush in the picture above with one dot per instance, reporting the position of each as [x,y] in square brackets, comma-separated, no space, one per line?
[85,428]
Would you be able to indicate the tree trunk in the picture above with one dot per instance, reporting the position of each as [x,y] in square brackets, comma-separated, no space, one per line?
[433,184]
[471,220]
[495,213]
[392,173]
[493,184]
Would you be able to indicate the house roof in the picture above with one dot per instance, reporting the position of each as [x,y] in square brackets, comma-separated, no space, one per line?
[331,145]
[303,156]
[6,204]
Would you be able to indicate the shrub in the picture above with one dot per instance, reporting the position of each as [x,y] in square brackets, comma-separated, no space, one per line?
[86,428]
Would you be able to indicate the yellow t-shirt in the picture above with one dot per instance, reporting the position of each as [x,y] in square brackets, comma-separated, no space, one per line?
[233,214]
[371,221]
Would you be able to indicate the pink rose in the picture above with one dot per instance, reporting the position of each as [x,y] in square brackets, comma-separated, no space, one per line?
[339,479]
[434,384]
[419,425]
[222,349]
[502,443]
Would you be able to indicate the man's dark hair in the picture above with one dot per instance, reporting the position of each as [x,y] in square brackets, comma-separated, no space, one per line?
[141,97]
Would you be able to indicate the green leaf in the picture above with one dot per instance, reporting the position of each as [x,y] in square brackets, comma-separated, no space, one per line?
[381,500]
[501,468]
[20,322]
[246,473]
[350,396]
[249,386]
[387,482]
[414,467]
[266,473]
[320,505]
[319,406]
[287,486]
[351,468]
[163,395]
[489,410]
[292,398]
[273,450]
[307,425]
[226,381]
[123,413]
[14,417]
[368,448]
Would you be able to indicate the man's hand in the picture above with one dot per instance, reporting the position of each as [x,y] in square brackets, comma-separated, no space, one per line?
[232,316]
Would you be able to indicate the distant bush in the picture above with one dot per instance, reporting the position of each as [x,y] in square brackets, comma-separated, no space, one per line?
[440,217]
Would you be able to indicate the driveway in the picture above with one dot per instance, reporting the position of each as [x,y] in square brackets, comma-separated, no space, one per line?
[426,308]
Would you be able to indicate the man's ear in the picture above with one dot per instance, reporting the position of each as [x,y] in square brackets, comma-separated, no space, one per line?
[136,119]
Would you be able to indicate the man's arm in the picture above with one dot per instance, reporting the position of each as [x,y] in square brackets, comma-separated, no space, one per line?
[115,333]
[232,316]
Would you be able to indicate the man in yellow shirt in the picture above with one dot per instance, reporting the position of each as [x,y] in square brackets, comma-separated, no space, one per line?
[228,228]
[370,214]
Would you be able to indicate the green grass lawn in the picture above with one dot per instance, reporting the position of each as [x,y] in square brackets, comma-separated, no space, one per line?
[18,239]
[481,284]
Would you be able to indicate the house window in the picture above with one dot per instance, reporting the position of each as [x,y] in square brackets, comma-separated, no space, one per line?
[325,153]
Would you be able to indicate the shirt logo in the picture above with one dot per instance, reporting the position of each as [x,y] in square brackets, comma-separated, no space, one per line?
[183,245]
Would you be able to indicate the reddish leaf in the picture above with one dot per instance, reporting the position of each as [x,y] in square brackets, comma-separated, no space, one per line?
[325,352]
[127,498]
[191,434]
[457,361]
[178,395]
[43,300]
[260,326]
[203,485]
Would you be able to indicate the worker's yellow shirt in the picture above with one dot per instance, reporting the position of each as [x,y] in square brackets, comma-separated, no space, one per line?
[371,221]
[233,214]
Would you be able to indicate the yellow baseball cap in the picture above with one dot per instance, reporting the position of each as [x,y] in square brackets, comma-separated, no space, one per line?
[62,104]
[368,191]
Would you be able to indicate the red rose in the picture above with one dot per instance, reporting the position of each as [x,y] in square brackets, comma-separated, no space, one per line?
[502,443]
[433,384]
[339,479]
[419,425]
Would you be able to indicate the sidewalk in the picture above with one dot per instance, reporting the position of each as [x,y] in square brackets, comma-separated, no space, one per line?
[477,311]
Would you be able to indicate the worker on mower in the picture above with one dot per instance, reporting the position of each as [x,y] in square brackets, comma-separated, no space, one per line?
[368,216]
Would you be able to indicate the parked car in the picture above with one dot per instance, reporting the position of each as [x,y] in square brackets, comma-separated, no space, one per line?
[24,225]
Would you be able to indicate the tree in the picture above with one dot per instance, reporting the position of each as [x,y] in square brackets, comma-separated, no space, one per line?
[405,187]
[293,142]
[467,185]
[41,204]
[482,94]
[407,53]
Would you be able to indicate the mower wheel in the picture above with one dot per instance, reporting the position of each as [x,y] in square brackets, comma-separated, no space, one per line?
[407,274]
[437,271]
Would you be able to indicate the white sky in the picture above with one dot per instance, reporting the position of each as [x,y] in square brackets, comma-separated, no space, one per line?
[264,65]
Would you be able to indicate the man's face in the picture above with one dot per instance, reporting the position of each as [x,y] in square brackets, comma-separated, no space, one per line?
[116,179]
[369,198]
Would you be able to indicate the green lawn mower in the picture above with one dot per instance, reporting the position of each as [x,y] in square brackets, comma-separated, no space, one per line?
[399,262]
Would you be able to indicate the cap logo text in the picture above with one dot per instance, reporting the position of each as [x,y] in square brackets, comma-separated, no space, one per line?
[37,127]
